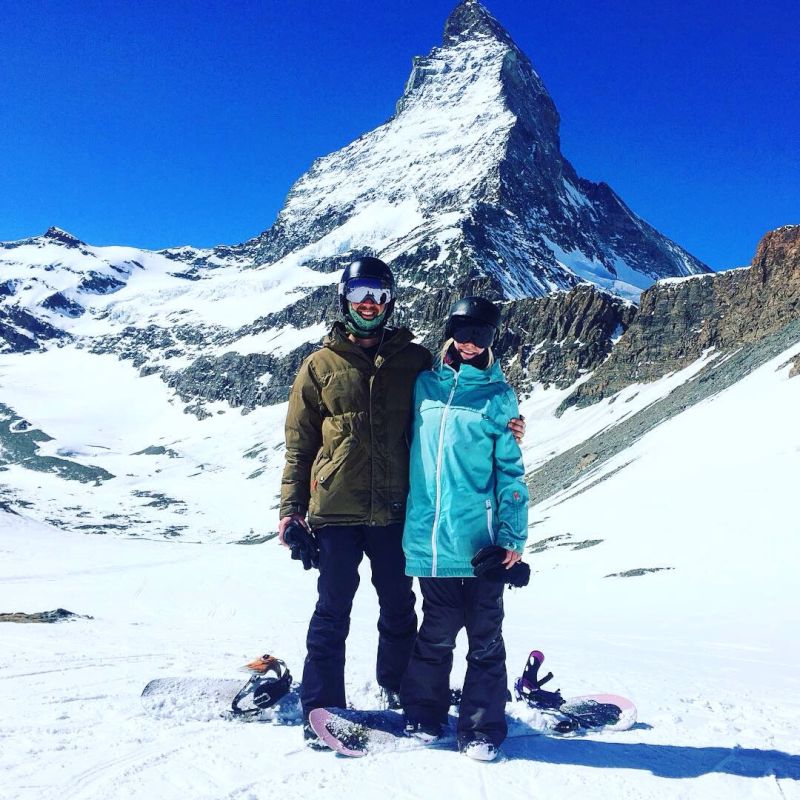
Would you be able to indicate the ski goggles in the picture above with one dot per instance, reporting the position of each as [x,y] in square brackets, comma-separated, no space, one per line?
[480,334]
[359,290]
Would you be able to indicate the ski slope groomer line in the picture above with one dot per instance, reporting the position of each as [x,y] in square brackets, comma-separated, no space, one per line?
[73,726]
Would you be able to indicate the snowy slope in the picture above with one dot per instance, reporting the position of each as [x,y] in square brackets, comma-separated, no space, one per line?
[172,474]
[707,647]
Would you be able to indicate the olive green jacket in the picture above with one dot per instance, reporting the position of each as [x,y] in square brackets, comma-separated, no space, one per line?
[347,431]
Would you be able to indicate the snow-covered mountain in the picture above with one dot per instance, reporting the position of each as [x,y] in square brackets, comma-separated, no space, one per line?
[85,293]
[467,181]
[464,187]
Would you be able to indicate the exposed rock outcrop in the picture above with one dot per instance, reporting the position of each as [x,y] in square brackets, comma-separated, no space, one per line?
[550,340]
[678,320]
[56,615]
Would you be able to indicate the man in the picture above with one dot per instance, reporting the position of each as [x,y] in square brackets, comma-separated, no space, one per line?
[347,471]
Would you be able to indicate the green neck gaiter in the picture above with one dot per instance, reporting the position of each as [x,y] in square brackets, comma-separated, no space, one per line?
[358,326]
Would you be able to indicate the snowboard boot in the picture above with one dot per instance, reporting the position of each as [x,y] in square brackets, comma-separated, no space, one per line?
[424,731]
[478,748]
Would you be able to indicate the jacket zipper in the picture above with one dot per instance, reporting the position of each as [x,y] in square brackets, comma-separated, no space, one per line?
[370,379]
[439,454]
[489,521]
[372,455]
[372,375]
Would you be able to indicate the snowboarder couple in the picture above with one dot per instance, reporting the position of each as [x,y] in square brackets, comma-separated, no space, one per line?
[347,478]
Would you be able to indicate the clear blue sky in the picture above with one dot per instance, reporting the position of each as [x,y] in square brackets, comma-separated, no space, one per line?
[157,123]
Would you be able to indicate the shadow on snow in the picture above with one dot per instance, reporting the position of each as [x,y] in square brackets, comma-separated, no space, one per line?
[666,761]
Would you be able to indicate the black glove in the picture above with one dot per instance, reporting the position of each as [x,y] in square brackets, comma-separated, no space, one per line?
[302,543]
[488,563]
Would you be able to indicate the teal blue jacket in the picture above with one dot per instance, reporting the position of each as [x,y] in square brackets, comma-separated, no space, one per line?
[466,480]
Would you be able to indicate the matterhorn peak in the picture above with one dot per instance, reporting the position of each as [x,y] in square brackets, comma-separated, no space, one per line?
[467,182]
[470,20]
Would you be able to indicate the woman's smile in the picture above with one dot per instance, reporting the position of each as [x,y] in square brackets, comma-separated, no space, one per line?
[468,350]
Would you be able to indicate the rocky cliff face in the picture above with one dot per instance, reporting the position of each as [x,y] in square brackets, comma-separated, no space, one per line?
[677,321]
[556,340]
[553,340]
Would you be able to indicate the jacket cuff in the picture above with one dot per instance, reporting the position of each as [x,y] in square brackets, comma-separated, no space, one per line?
[292,508]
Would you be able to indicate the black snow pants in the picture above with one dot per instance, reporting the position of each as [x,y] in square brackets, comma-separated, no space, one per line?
[341,549]
[449,604]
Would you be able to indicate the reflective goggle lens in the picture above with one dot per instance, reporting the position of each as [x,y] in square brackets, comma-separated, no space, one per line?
[358,291]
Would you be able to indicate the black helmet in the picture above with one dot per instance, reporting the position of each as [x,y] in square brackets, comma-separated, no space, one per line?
[365,269]
[473,319]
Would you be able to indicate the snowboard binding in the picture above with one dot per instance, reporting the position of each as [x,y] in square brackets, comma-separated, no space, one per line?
[529,686]
[270,681]
[575,713]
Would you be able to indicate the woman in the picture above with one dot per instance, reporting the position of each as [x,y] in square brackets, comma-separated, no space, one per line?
[466,492]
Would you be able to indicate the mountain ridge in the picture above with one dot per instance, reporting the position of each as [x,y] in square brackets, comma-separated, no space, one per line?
[678,321]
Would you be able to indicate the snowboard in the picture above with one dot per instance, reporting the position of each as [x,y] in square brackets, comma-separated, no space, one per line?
[268,695]
[358,733]
[591,711]
[608,712]
[355,733]
[206,699]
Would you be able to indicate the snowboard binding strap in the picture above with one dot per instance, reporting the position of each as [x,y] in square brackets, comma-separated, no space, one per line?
[270,681]
[529,686]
